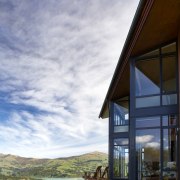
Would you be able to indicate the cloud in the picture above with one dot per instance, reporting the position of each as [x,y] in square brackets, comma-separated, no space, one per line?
[148,141]
[144,138]
[155,145]
[56,61]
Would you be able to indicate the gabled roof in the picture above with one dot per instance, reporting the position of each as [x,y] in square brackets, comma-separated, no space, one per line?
[155,22]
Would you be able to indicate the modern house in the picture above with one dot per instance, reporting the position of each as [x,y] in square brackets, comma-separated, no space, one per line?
[142,102]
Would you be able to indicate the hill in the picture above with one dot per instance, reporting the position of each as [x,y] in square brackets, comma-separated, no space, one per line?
[15,167]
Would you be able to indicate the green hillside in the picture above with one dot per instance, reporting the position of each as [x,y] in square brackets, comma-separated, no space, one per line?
[15,167]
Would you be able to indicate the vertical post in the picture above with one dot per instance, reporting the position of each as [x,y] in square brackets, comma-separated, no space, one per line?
[111,144]
[132,150]
[178,51]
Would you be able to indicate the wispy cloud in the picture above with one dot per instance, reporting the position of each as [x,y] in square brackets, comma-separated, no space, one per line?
[56,62]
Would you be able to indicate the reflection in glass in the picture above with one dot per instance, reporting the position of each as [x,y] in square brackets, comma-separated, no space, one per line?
[148,122]
[147,77]
[151,53]
[121,158]
[147,101]
[169,99]
[148,153]
[169,153]
[169,48]
[169,120]
[169,175]
[121,116]
[169,74]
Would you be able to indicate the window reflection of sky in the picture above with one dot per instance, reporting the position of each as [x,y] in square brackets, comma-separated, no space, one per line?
[121,141]
[148,122]
[144,85]
[148,138]
[121,116]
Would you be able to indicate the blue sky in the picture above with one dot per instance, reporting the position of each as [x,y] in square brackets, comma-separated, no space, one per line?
[56,61]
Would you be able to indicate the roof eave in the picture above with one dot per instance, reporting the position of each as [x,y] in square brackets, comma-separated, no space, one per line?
[131,32]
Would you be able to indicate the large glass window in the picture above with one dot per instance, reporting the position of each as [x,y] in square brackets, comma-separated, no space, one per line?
[169,80]
[147,74]
[154,128]
[156,78]
[148,153]
[121,116]
[169,153]
[147,101]
[169,146]
[156,147]
[148,143]
[120,138]
[169,74]
[148,122]
[121,158]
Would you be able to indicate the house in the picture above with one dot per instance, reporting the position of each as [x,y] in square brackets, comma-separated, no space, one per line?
[142,102]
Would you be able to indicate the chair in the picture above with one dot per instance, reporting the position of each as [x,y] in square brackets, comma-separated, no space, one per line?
[105,173]
[95,176]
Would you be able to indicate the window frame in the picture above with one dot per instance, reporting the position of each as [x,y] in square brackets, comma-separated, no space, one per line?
[160,56]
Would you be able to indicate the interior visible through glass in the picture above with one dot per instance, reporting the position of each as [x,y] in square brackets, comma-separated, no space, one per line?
[156,78]
[156,136]
[121,158]
[170,120]
[169,153]
[147,74]
[169,74]
[153,141]
[169,48]
[151,53]
[148,153]
[121,116]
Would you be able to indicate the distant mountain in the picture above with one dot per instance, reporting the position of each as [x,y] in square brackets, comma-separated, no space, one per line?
[16,167]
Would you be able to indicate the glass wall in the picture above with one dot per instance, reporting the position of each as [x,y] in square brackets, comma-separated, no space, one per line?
[121,158]
[120,138]
[169,147]
[121,116]
[154,121]
[169,81]
[143,145]
[156,147]
[147,77]
[156,78]
[148,147]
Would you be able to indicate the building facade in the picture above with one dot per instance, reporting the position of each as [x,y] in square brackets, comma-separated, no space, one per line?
[142,102]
